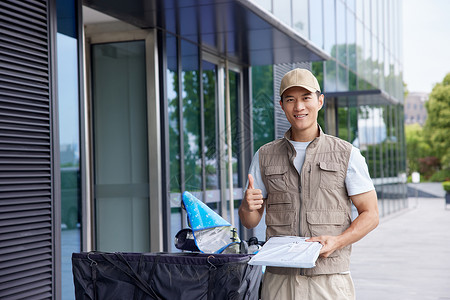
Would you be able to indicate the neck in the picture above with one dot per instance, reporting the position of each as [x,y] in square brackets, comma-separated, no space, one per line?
[304,136]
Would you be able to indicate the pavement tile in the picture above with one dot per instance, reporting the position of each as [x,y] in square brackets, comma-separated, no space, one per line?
[407,256]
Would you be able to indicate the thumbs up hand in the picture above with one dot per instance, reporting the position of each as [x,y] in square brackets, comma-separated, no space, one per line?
[253,199]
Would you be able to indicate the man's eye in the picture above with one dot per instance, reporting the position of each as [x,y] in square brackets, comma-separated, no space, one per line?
[289,100]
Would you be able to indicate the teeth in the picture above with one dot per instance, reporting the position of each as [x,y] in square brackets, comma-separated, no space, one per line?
[299,116]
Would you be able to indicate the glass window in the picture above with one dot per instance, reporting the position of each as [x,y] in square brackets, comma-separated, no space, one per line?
[352,81]
[359,10]
[330,76]
[282,10]
[119,97]
[342,79]
[330,27]
[300,17]
[353,121]
[263,105]
[191,117]
[351,41]
[316,22]
[386,146]
[208,25]
[351,4]
[374,61]
[67,59]
[367,55]
[188,28]
[374,18]
[317,68]
[359,51]
[234,81]
[343,131]
[69,140]
[236,136]
[210,115]
[380,21]
[173,110]
[267,4]
[367,13]
[393,27]
[341,32]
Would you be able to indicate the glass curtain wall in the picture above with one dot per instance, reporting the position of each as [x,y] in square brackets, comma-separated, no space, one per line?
[69,137]
[364,40]
[197,132]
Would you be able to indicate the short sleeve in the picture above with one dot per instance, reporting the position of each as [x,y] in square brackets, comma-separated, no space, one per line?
[257,179]
[358,179]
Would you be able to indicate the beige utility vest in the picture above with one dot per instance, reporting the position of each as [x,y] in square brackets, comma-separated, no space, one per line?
[311,204]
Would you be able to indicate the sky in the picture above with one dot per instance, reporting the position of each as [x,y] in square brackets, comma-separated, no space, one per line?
[426,43]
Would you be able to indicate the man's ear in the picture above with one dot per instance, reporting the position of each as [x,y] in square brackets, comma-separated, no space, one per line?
[281,104]
[321,101]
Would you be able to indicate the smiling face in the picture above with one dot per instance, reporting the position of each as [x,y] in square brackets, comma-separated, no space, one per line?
[301,108]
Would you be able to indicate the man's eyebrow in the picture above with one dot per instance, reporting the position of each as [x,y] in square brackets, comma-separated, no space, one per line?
[306,94]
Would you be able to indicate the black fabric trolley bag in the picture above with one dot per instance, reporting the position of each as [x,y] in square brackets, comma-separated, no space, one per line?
[199,276]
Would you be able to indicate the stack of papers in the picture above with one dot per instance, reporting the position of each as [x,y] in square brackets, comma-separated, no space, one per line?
[287,251]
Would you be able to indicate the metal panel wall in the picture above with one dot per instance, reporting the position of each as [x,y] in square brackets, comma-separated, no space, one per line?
[28,209]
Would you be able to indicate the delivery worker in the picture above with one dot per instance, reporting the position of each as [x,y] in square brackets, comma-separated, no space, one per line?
[306,182]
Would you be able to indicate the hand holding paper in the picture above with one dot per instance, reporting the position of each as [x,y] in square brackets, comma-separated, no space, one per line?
[287,251]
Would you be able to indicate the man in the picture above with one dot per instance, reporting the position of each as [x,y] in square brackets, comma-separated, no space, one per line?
[307,182]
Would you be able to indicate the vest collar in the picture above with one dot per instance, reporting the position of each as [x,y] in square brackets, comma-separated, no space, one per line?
[288,134]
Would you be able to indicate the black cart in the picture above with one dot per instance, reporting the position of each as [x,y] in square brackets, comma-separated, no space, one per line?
[165,276]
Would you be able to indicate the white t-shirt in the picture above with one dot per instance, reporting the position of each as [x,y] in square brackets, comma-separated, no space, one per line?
[357,181]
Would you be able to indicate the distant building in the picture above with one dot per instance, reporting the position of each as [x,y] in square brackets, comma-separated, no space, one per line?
[415,111]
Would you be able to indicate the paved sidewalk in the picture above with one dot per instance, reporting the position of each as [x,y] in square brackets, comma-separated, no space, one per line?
[407,256]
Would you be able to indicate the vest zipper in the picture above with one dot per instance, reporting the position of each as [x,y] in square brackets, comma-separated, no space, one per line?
[301,271]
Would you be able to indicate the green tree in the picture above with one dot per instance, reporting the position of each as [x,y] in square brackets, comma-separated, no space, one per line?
[437,125]
[416,146]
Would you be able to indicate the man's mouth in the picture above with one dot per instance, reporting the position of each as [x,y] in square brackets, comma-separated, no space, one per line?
[300,116]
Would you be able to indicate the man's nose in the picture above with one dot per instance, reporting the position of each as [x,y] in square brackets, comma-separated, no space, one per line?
[299,105]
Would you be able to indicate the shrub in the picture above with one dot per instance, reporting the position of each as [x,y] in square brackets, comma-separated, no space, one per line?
[441,175]
[446,186]
[428,166]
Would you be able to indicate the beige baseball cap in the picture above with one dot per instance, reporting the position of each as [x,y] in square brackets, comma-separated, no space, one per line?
[299,77]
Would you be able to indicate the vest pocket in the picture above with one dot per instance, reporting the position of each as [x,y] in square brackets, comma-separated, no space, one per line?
[326,223]
[279,202]
[329,173]
[279,223]
[276,178]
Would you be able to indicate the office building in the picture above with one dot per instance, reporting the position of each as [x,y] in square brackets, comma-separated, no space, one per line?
[415,110]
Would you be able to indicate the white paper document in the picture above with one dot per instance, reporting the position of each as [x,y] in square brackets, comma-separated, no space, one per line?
[287,251]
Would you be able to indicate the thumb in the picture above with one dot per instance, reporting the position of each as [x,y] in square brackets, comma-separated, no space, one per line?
[250,182]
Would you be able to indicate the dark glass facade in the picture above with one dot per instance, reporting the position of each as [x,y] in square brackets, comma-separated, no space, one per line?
[69,137]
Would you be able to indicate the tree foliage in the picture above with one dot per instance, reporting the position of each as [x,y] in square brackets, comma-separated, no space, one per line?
[416,146]
[437,125]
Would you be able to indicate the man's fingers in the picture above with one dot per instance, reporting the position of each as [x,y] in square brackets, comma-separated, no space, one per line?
[256,204]
[255,192]
[250,182]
